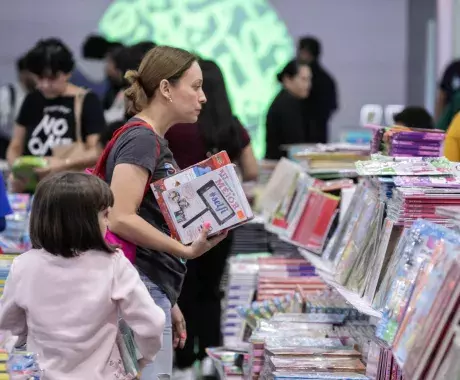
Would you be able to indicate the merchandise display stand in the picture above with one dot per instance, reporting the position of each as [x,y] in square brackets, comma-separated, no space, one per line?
[389,248]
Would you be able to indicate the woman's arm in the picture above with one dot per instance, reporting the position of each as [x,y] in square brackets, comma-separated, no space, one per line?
[128,184]
[16,146]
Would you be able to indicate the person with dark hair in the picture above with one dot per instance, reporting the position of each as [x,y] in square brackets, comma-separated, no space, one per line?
[164,91]
[58,116]
[75,268]
[285,123]
[11,97]
[322,102]
[414,117]
[448,87]
[123,60]
[217,129]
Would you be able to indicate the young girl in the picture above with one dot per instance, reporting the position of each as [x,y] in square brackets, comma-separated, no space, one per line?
[65,295]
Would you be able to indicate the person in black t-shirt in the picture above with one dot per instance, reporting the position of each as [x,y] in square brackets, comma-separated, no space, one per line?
[285,118]
[164,91]
[450,84]
[322,101]
[48,119]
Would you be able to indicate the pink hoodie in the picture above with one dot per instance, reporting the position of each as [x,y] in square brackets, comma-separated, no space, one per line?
[68,310]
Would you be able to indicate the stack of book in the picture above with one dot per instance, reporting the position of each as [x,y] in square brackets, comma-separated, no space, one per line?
[280,276]
[408,142]
[241,288]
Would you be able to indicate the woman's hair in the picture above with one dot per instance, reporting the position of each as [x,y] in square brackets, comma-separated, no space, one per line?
[162,62]
[64,218]
[218,127]
[290,70]
[49,57]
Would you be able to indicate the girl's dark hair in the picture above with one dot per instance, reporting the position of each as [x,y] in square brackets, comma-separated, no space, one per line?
[162,62]
[64,218]
[49,57]
[218,127]
[290,70]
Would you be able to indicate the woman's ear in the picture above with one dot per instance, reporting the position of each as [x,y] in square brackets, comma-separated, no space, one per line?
[165,89]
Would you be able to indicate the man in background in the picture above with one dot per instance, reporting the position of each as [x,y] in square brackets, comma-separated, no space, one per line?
[322,101]
[11,97]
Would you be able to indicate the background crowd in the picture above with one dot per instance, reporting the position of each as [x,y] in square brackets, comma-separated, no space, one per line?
[51,111]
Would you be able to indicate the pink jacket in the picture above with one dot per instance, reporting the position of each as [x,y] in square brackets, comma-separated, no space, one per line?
[68,309]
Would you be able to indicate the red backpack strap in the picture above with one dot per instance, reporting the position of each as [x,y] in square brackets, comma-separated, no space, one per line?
[101,165]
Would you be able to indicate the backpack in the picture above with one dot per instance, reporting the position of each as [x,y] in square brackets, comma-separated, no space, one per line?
[128,248]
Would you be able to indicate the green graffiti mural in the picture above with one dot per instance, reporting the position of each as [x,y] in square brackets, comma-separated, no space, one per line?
[245,37]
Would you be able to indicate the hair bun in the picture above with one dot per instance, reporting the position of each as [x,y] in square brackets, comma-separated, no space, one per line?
[132,76]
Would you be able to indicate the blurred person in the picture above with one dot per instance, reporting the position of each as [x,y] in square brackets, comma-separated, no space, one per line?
[124,59]
[114,78]
[217,129]
[452,141]
[164,91]
[322,101]
[48,117]
[89,71]
[11,97]
[285,123]
[449,112]
[414,117]
[449,85]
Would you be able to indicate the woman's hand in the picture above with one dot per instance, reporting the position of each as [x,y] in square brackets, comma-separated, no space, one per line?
[178,326]
[202,245]
[55,165]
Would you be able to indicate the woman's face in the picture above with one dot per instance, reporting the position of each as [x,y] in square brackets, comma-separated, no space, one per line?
[187,96]
[52,86]
[300,84]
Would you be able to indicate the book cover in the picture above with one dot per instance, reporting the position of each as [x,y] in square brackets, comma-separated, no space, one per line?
[216,197]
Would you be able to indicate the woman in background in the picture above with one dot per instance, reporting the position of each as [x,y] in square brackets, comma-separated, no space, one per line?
[217,129]
[285,122]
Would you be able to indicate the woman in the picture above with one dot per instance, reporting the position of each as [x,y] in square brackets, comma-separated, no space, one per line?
[57,114]
[217,129]
[166,90]
[285,118]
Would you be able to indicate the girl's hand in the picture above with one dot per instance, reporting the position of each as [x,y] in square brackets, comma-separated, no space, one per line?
[202,245]
[179,327]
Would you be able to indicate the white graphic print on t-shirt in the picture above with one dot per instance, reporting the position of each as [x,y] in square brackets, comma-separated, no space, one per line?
[51,131]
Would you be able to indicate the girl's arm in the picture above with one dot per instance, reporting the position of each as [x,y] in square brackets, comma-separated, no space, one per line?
[137,308]
[248,164]
[128,184]
[12,316]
